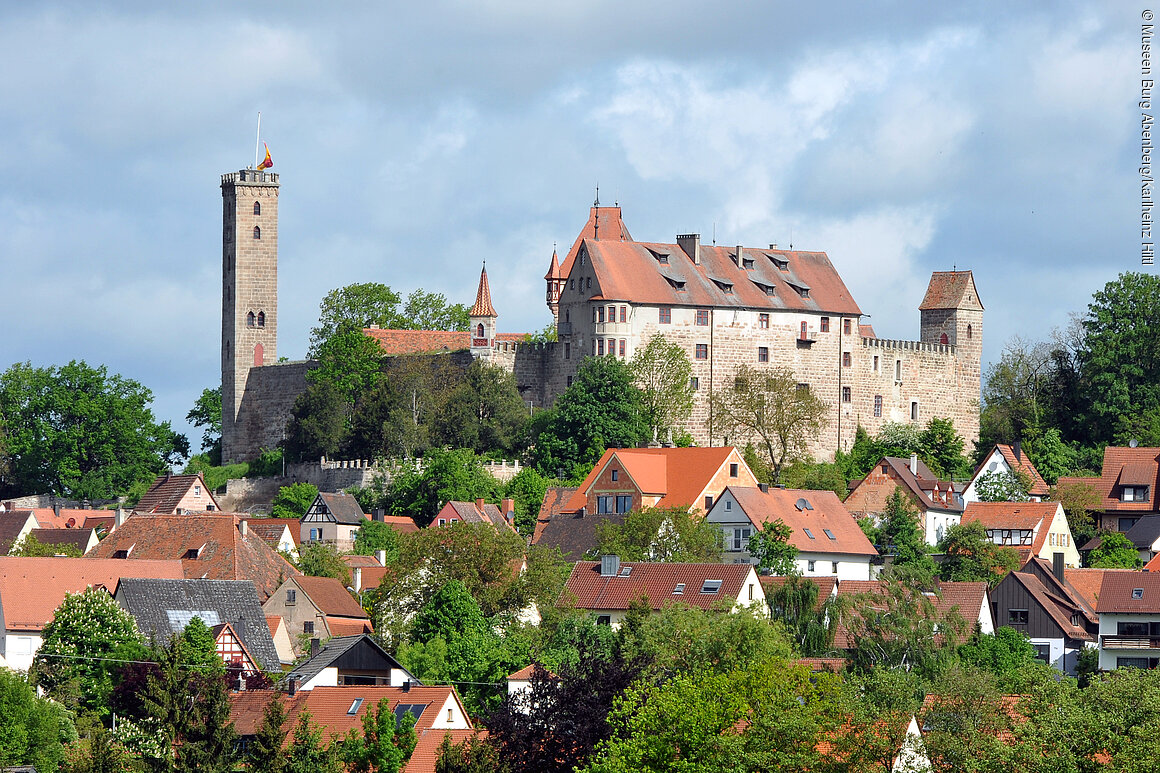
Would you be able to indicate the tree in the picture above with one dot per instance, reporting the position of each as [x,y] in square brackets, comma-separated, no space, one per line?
[484,412]
[357,306]
[308,752]
[816,476]
[971,557]
[942,450]
[1051,457]
[318,423]
[351,361]
[31,728]
[75,664]
[526,489]
[383,746]
[768,406]
[1080,501]
[374,536]
[30,546]
[1003,486]
[668,534]
[1009,655]
[968,725]
[602,409]
[899,535]
[1115,551]
[207,414]
[473,755]
[810,624]
[265,754]
[294,500]
[1015,393]
[79,432]
[318,559]
[421,491]
[663,373]
[431,311]
[772,549]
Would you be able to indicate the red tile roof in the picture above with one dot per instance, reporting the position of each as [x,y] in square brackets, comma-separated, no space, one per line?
[828,514]
[866,331]
[1060,609]
[1039,487]
[167,491]
[554,268]
[948,290]
[222,552]
[78,538]
[372,576]
[395,342]
[1129,466]
[483,307]
[678,475]
[1116,593]
[403,524]
[603,223]
[353,559]
[825,585]
[69,518]
[631,271]
[656,581]
[1035,516]
[32,588]
[471,512]
[347,626]
[555,498]
[330,596]
[1087,582]
[968,598]
[428,743]
[271,529]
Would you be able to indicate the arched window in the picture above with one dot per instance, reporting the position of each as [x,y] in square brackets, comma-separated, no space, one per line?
[257,207]
[250,319]
[257,232]
[942,339]
[227,348]
[261,319]
[479,331]
[567,315]
[259,356]
[969,331]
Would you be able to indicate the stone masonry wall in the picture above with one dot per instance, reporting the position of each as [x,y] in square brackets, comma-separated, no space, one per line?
[269,395]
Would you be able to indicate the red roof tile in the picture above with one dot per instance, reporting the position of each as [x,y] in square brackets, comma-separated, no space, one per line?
[657,582]
[825,585]
[346,626]
[1140,465]
[394,342]
[1039,487]
[272,529]
[949,290]
[330,596]
[483,307]
[968,598]
[428,743]
[1087,582]
[32,588]
[555,498]
[679,475]
[603,223]
[166,493]
[828,514]
[554,268]
[1117,593]
[1034,516]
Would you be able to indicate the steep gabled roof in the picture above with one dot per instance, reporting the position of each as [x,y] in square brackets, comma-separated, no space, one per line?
[337,649]
[1145,532]
[78,538]
[1039,487]
[1087,582]
[483,307]
[273,529]
[167,491]
[330,596]
[951,290]
[1059,608]
[920,483]
[209,545]
[555,498]
[678,475]
[11,524]
[812,517]
[1129,467]
[429,742]
[1032,516]
[603,223]
[1119,590]
[341,506]
[163,607]
[656,581]
[470,512]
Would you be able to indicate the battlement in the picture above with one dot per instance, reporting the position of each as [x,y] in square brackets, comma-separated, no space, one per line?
[914,346]
[250,177]
[514,346]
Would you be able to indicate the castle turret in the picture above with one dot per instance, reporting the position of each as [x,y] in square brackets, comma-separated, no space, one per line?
[483,318]
[555,281]
[952,314]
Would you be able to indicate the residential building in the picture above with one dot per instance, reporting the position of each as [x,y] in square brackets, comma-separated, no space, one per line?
[14,527]
[1145,537]
[1005,459]
[216,546]
[969,600]
[316,607]
[334,519]
[479,511]
[81,540]
[281,636]
[938,503]
[177,495]
[1037,529]
[279,533]
[1129,610]
[1126,488]
[348,660]
[32,588]
[163,607]
[1038,602]
[828,539]
[607,587]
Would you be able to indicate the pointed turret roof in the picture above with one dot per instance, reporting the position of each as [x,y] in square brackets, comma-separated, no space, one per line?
[483,307]
[554,269]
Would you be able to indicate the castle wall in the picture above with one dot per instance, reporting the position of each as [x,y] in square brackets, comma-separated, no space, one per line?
[268,397]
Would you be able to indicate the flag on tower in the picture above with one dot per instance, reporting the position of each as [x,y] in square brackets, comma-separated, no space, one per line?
[267,162]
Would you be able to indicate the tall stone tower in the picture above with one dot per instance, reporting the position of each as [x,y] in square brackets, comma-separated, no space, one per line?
[555,280]
[249,290]
[483,318]
[952,313]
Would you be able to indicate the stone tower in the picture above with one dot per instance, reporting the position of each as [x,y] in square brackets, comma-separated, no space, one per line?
[483,318]
[249,289]
[952,314]
[555,280]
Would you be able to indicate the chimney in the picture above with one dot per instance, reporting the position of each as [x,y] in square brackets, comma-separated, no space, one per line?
[764,487]
[1057,565]
[356,578]
[691,244]
[292,686]
[609,566]
[407,685]
[914,465]
[314,647]
[379,514]
[119,518]
[381,557]
[479,503]
[508,508]
[740,256]
[244,528]
[1018,449]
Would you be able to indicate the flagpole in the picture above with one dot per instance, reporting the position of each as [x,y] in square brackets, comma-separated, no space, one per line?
[257,140]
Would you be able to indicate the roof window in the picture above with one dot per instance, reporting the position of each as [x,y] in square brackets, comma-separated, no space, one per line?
[803,504]
[711,586]
[675,284]
[809,533]
[355,706]
[677,591]
[625,571]
[1137,593]
[830,534]
[779,261]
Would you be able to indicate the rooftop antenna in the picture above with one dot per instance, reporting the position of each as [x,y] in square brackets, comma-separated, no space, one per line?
[714,233]
[596,220]
[791,237]
[597,202]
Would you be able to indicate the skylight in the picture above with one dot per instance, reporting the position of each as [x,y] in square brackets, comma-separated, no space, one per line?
[830,534]
[679,589]
[809,533]
[354,707]
[711,586]
[625,571]
[1137,593]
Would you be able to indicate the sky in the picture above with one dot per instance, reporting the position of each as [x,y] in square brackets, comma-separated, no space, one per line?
[417,140]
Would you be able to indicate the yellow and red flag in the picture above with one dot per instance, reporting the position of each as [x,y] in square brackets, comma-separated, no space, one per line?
[267,162]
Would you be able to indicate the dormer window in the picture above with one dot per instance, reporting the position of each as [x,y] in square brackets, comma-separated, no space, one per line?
[779,261]
[1134,494]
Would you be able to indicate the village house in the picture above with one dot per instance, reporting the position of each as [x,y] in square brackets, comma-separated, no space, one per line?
[334,519]
[279,533]
[316,607]
[607,587]
[479,511]
[1039,602]
[1037,529]
[281,636]
[970,600]
[1126,489]
[937,502]
[177,495]
[348,660]
[32,588]
[1129,610]
[828,539]
[1006,459]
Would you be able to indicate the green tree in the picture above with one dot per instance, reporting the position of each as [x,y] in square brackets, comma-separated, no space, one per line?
[1115,551]
[30,546]
[602,409]
[484,412]
[968,726]
[431,311]
[383,746]
[374,536]
[971,557]
[79,432]
[899,535]
[75,664]
[207,414]
[421,491]
[355,306]
[1015,393]
[351,361]
[473,755]
[318,559]
[1050,455]
[1003,486]
[199,649]
[942,449]
[294,500]
[1009,655]
[265,754]
[318,423]
[768,406]
[816,476]
[527,489]
[772,549]
[1080,502]
[668,534]
[308,752]
[663,373]
[809,620]
[31,729]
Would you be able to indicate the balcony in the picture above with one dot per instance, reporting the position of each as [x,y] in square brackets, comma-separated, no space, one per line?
[564,328]
[1118,642]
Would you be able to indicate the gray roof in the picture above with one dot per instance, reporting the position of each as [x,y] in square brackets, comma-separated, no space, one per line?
[346,648]
[163,608]
[1145,532]
[342,507]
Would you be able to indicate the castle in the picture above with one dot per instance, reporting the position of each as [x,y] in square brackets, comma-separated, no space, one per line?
[727,306]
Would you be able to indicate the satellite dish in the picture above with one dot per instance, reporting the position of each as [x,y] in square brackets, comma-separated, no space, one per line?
[1133,443]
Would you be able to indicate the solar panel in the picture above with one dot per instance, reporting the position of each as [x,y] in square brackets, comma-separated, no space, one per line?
[416,710]
[179,618]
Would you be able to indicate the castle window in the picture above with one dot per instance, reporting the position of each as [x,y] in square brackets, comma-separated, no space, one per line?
[250,319]
[763,321]
[611,313]
[942,339]
[845,394]
[846,326]
[666,315]
[569,381]
[259,357]
[702,317]
[803,387]
[567,315]
[914,411]
[615,475]
[622,343]
[571,284]
[257,207]
[623,315]
[694,383]
[479,330]
[763,354]
[593,315]
[600,314]
[876,363]
[257,232]
[702,351]
[589,285]
[969,331]
[261,319]
[845,359]
[877,405]
[825,325]
[600,347]
[898,370]
[567,351]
